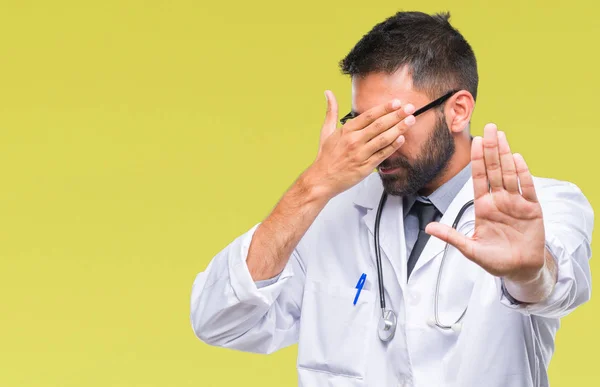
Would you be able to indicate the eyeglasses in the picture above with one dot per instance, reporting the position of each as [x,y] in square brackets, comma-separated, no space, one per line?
[422,110]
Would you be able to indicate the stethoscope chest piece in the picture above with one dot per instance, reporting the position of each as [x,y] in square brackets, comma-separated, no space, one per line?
[387,325]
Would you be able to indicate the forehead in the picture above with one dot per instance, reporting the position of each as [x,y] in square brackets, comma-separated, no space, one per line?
[375,89]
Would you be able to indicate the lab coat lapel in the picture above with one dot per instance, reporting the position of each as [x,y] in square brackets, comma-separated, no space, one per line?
[435,246]
[391,229]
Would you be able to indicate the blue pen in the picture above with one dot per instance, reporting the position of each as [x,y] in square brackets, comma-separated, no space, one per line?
[359,286]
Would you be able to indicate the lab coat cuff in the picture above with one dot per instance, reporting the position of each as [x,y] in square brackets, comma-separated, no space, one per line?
[561,288]
[245,288]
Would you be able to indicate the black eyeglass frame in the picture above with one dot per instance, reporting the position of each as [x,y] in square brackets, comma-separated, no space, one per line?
[422,110]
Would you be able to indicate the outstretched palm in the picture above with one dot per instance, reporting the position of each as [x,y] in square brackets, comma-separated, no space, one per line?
[509,234]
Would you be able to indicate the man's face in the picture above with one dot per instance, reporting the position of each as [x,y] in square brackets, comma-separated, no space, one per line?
[429,144]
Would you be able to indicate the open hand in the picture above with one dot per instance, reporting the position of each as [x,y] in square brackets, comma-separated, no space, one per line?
[350,153]
[509,239]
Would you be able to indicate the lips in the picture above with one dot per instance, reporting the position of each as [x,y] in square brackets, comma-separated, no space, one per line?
[386,170]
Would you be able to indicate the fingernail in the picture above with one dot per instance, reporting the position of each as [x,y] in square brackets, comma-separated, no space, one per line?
[490,126]
[410,120]
[409,109]
[396,104]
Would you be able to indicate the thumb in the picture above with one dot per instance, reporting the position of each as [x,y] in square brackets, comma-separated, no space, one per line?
[331,117]
[451,236]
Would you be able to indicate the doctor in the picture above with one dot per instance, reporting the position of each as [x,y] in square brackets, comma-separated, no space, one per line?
[474,306]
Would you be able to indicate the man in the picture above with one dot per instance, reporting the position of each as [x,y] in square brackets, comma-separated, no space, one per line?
[308,273]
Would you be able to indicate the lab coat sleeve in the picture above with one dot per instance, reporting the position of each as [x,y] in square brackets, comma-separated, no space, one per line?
[229,309]
[568,223]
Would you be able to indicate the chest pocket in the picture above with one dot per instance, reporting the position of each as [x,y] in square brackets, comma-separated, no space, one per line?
[334,333]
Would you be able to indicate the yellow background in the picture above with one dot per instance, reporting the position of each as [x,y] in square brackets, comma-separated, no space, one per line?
[137,138]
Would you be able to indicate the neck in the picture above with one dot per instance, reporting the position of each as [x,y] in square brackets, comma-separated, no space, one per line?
[458,161]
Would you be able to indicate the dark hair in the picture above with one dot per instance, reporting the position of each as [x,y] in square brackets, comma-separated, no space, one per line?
[438,57]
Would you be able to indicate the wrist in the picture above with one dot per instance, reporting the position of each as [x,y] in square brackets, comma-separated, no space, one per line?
[313,188]
[533,286]
[532,274]
[525,277]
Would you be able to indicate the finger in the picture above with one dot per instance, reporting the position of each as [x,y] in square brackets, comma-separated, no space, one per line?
[451,236]
[525,178]
[480,181]
[388,121]
[331,116]
[507,163]
[365,119]
[387,137]
[491,157]
[382,154]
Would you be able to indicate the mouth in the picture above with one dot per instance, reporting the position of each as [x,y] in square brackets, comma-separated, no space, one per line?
[388,171]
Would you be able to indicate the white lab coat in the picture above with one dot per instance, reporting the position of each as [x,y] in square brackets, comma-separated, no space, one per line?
[311,301]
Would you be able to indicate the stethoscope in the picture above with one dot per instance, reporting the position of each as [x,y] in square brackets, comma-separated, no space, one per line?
[387,324]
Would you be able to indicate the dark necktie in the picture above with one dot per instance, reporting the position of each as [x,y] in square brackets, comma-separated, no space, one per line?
[427,213]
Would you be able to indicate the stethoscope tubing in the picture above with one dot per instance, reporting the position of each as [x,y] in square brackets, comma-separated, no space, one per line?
[378,252]
[437,286]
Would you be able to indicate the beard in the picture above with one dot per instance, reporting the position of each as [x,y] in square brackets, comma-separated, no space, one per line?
[432,160]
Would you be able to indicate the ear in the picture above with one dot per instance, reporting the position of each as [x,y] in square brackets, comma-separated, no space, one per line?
[459,110]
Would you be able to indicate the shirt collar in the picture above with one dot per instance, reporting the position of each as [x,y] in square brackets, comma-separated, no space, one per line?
[444,195]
